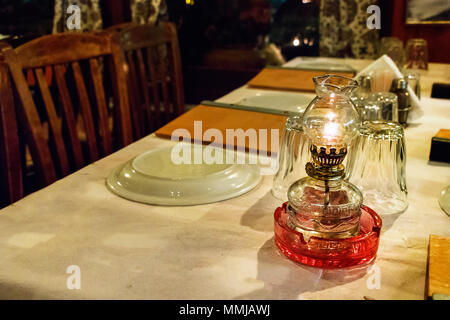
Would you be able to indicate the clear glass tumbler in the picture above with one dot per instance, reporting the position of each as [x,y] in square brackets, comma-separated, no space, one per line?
[393,47]
[292,158]
[389,105]
[413,78]
[377,166]
[444,200]
[368,109]
[416,54]
[377,106]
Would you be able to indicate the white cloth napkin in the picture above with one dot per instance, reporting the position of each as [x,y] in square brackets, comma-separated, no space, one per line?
[383,71]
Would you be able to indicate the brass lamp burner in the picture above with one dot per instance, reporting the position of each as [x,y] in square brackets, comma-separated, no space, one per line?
[327,163]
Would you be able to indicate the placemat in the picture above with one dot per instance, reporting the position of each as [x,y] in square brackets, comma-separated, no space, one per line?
[224,119]
[289,79]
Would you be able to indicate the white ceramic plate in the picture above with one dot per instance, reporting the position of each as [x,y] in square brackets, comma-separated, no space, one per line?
[325,66]
[293,102]
[154,178]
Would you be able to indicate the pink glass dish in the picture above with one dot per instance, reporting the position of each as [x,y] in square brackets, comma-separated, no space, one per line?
[329,253]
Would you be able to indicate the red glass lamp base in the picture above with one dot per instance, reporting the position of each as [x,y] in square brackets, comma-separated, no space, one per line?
[329,253]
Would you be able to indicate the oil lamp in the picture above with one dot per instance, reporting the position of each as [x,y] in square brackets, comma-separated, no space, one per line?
[324,223]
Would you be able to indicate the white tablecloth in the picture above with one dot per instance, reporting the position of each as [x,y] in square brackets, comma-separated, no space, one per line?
[222,250]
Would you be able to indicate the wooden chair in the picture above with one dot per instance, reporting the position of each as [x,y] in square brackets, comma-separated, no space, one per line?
[154,75]
[11,183]
[67,69]
[121,27]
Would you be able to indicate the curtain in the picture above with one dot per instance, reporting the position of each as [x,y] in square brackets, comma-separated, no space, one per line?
[90,17]
[343,30]
[148,11]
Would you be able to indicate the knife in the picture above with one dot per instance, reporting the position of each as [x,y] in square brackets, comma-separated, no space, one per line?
[249,108]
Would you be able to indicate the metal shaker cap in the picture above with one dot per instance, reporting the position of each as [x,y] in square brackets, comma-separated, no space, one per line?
[399,84]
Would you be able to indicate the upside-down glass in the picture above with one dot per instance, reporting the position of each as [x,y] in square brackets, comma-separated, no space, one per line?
[393,47]
[368,109]
[293,156]
[377,166]
[413,78]
[416,54]
[377,106]
[389,105]
[444,200]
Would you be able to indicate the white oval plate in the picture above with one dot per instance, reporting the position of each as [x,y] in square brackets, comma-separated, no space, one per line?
[153,178]
[293,102]
[323,65]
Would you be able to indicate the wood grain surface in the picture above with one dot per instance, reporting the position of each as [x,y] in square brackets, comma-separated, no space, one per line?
[438,278]
[224,119]
[289,79]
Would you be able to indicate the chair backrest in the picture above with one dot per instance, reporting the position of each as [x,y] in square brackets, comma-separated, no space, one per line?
[67,72]
[11,183]
[154,76]
[121,27]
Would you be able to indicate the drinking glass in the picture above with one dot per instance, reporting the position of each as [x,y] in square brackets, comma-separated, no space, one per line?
[444,200]
[389,105]
[393,47]
[368,109]
[377,106]
[413,78]
[377,166]
[293,156]
[416,54]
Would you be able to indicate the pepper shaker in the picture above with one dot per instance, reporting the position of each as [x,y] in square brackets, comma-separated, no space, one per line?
[400,88]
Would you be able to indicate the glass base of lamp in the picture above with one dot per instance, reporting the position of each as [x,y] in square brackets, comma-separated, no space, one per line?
[329,253]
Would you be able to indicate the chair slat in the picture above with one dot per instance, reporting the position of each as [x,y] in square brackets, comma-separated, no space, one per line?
[144,86]
[122,109]
[101,106]
[30,118]
[154,85]
[163,75]
[69,115]
[86,112]
[134,101]
[177,75]
[11,171]
[54,121]
[137,97]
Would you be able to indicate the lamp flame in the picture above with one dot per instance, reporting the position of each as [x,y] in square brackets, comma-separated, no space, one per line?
[330,131]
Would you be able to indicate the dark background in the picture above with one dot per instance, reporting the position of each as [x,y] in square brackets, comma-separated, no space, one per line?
[218,38]
[36,17]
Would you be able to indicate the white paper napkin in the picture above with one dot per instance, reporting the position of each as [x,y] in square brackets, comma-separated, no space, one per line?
[383,71]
